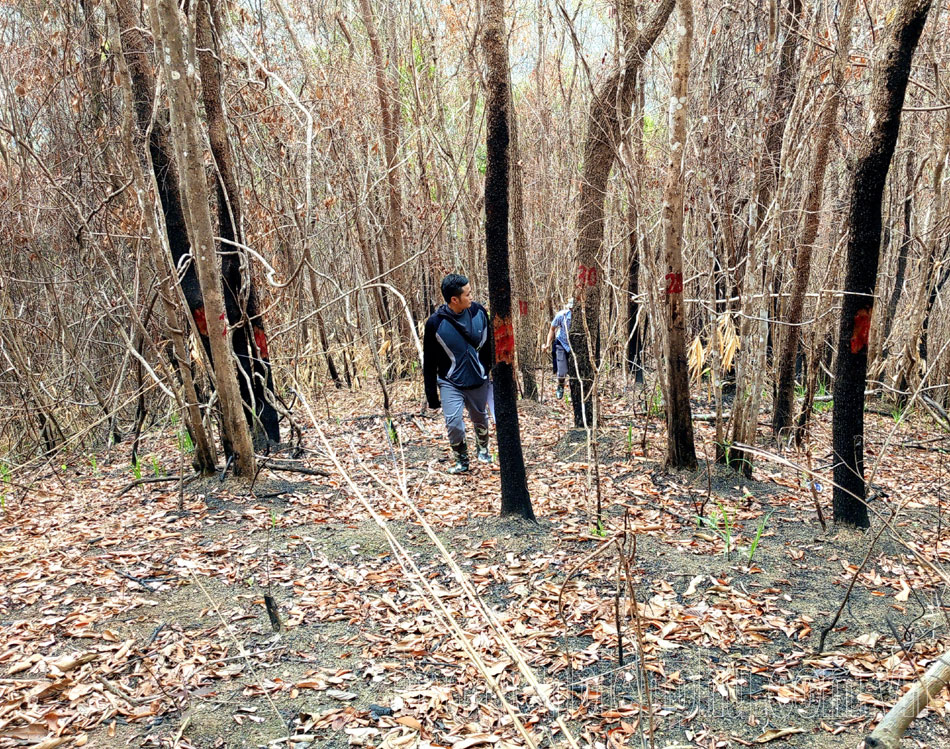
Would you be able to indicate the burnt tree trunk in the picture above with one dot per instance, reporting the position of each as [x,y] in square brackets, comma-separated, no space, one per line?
[189,152]
[240,297]
[609,111]
[135,49]
[515,499]
[887,99]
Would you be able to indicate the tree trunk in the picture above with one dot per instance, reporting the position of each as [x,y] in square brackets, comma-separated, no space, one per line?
[240,297]
[755,334]
[909,362]
[680,448]
[515,499]
[189,152]
[389,113]
[525,343]
[906,241]
[635,325]
[887,99]
[609,111]
[785,392]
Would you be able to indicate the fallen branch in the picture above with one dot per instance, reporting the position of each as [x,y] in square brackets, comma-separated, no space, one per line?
[153,480]
[888,733]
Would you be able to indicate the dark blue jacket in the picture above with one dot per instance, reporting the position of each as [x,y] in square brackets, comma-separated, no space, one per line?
[457,348]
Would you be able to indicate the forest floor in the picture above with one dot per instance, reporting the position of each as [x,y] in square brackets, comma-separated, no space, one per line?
[139,620]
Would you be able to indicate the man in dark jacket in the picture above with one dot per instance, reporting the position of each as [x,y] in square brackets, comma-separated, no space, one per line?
[457,358]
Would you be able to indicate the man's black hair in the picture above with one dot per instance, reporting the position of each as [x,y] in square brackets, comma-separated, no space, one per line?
[452,286]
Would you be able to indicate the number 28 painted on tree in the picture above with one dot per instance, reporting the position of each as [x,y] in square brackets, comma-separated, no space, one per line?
[675,285]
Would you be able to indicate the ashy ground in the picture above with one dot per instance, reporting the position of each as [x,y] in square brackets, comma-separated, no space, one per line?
[140,619]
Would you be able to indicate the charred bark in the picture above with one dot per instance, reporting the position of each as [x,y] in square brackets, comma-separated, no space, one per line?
[515,499]
[887,99]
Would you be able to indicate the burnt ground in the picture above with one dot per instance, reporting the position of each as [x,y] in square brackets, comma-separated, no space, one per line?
[141,620]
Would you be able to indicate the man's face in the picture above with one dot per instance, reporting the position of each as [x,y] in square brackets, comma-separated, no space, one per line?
[464,300]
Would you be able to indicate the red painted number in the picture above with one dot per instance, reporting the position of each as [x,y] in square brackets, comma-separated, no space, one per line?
[675,285]
[522,306]
[586,276]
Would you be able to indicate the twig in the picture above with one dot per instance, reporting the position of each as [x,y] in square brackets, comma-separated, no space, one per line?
[153,480]
[847,595]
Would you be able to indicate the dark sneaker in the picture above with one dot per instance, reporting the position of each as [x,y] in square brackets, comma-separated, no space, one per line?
[483,455]
[559,394]
[459,467]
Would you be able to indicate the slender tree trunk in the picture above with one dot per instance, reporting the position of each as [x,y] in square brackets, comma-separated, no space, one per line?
[527,349]
[389,113]
[909,362]
[189,151]
[204,457]
[864,237]
[635,325]
[906,241]
[515,499]
[240,297]
[785,393]
[755,334]
[680,448]
[609,111]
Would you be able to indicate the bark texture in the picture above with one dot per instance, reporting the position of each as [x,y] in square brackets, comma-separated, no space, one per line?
[515,499]
[877,150]
[680,448]
[249,338]
[788,351]
[609,112]
[189,152]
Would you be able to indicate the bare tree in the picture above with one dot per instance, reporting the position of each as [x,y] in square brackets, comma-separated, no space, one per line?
[680,449]
[189,150]
[864,239]
[609,111]
[785,390]
[515,499]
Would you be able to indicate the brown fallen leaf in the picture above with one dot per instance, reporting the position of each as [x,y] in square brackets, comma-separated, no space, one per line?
[74,661]
[777,733]
[50,743]
[409,722]
[476,740]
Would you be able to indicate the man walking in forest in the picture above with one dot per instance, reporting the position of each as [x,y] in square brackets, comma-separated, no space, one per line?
[457,358]
[560,326]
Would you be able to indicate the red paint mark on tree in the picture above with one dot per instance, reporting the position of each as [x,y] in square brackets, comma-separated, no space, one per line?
[675,285]
[586,276]
[260,340]
[504,340]
[224,324]
[522,306]
[862,330]
[201,321]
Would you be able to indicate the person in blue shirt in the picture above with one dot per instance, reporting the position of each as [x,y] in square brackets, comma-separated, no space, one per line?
[457,357]
[558,333]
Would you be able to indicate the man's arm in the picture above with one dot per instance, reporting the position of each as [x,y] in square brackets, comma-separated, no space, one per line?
[487,352]
[430,351]
[551,332]
[547,343]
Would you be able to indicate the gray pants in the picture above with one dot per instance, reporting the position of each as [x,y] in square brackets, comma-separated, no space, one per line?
[561,358]
[454,401]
